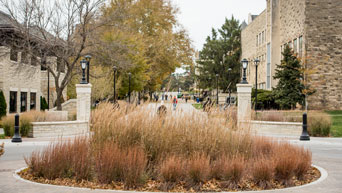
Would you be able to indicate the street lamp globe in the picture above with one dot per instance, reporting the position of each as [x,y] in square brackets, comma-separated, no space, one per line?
[244,66]
[83,66]
[256,62]
[244,63]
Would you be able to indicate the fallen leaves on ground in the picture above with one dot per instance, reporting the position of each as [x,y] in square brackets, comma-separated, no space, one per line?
[153,185]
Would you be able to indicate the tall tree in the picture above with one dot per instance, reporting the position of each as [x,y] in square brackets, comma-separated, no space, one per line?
[142,37]
[290,88]
[220,53]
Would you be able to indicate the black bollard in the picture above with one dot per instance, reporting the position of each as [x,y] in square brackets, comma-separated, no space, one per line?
[16,138]
[305,135]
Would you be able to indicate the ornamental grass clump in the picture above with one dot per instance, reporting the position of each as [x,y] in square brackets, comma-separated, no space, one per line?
[173,169]
[319,124]
[262,171]
[130,146]
[303,164]
[198,168]
[70,159]
[285,160]
[26,119]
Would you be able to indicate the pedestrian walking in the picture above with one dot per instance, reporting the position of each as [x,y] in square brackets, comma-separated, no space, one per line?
[174,102]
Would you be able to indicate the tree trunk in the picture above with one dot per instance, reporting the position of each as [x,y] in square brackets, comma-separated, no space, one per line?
[59,99]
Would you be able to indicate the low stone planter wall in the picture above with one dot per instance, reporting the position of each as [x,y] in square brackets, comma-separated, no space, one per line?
[62,128]
[277,128]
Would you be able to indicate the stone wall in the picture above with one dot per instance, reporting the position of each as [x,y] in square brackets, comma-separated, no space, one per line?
[252,50]
[324,52]
[69,106]
[58,129]
[288,21]
[319,24]
[276,128]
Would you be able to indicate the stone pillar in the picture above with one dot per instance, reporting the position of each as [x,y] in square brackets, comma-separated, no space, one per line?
[244,92]
[83,101]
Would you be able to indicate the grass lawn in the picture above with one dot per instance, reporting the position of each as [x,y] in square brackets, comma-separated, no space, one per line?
[198,106]
[336,128]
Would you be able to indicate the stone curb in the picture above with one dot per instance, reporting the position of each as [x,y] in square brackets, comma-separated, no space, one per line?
[324,175]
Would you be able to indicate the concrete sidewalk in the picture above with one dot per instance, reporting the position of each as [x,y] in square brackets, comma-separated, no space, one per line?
[327,153]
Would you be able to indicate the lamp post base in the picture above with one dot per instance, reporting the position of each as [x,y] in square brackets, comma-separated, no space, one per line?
[304,138]
[16,140]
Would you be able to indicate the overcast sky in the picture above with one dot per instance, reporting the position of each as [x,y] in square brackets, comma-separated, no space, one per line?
[200,16]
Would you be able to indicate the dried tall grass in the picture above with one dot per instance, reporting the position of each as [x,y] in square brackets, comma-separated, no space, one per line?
[132,144]
[180,135]
[26,119]
[69,159]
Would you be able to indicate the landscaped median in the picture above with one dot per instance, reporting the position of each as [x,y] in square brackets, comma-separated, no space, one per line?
[132,149]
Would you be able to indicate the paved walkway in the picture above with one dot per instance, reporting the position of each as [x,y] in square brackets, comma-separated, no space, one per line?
[327,153]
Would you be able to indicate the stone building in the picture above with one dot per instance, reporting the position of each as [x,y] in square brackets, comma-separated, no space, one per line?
[23,78]
[313,29]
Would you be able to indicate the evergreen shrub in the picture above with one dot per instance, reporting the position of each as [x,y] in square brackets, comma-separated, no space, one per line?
[3,105]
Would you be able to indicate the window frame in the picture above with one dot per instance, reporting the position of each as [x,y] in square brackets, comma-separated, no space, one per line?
[13,102]
[23,101]
[14,53]
[34,101]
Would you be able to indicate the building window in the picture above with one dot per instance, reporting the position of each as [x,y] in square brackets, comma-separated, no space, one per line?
[300,50]
[60,65]
[257,39]
[24,58]
[34,61]
[295,46]
[268,83]
[263,37]
[13,102]
[281,52]
[23,101]
[32,101]
[290,45]
[260,39]
[13,55]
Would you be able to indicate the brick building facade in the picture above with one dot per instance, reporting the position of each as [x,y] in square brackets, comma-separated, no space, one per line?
[313,29]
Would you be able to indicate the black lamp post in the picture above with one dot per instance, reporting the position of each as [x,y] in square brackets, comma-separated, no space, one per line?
[305,135]
[244,66]
[83,65]
[129,87]
[115,69]
[88,58]
[256,62]
[217,90]
[16,137]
